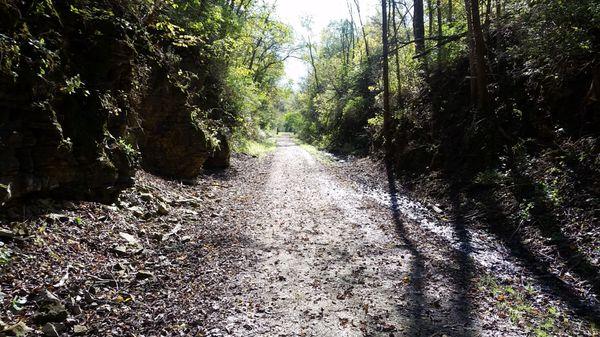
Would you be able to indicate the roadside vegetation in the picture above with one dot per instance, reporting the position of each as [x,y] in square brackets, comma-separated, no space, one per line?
[255,148]
[118,85]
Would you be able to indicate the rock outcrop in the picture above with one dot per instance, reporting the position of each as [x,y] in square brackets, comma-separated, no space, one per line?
[85,87]
[62,122]
[172,143]
[182,114]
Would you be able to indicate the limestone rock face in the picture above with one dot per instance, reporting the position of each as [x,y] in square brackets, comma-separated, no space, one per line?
[83,87]
[171,142]
[181,116]
[59,132]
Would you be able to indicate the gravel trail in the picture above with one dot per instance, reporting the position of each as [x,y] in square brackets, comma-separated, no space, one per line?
[326,258]
[289,244]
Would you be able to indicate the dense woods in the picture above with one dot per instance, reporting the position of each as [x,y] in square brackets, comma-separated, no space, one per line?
[491,103]
[488,64]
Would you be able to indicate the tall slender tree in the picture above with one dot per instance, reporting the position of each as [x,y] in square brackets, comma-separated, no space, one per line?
[354,29]
[313,63]
[306,23]
[430,12]
[395,24]
[440,33]
[498,8]
[419,27]
[387,129]
[478,67]
[364,32]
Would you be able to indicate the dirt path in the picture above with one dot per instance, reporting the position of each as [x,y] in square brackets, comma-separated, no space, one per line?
[327,261]
[327,257]
[322,265]
[286,245]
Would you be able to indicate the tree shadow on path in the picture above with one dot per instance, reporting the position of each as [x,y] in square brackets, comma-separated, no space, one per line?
[457,274]
[540,269]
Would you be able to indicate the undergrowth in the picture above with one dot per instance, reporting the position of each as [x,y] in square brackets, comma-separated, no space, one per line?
[319,154]
[519,304]
[255,148]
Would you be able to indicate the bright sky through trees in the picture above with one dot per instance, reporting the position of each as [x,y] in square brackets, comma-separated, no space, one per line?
[322,12]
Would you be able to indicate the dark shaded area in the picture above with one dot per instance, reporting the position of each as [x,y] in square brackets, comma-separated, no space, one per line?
[89,89]
[490,212]
[211,254]
[58,129]
[220,157]
[466,269]
[526,170]
[460,272]
[582,306]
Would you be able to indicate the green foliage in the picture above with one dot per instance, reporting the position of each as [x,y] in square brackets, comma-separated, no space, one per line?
[128,149]
[571,36]
[489,177]
[337,109]
[376,122]
[249,47]
[254,148]
[73,84]
[524,214]
[18,303]
[10,52]
[544,41]
[552,192]
[354,107]
[516,302]
[292,122]
[258,46]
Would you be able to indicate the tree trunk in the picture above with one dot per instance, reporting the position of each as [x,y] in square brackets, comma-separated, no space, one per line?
[314,65]
[397,52]
[473,74]
[430,13]
[440,46]
[354,29]
[386,83]
[404,24]
[450,10]
[488,12]
[479,75]
[259,42]
[498,9]
[363,28]
[419,27]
